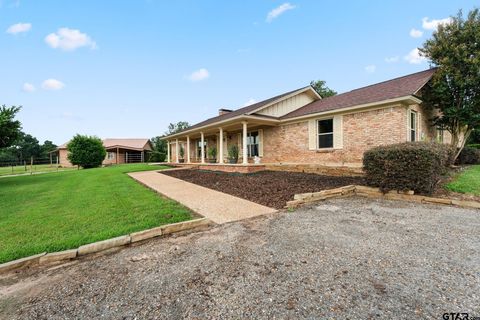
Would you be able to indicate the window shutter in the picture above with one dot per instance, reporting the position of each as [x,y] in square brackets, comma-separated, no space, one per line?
[225,145]
[312,134]
[260,142]
[338,132]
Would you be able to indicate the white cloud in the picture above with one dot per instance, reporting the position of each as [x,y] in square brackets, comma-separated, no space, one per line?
[69,40]
[392,59]
[250,102]
[199,75]
[414,33]
[28,87]
[414,57]
[371,68]
[279,10]
[19,28]
[52,84]
[433,24]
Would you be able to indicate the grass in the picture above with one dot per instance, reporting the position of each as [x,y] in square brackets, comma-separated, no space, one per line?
[27,169]
[467,181]
[59,211]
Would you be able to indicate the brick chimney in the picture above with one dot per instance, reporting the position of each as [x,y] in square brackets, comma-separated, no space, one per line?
[223,111]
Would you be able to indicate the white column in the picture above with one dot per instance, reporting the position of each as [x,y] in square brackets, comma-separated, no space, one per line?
[244,145]
[168,151]
[177,154]
[202,147]
[220,151]
[188,149]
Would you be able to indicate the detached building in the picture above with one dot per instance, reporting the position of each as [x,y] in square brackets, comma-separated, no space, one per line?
[119,151]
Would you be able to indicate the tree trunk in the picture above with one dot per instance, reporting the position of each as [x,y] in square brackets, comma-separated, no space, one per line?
[458,142]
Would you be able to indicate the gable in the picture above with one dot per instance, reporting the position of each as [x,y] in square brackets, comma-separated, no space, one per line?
[288,105]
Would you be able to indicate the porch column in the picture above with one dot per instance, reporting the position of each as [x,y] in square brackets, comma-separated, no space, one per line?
[188,149]
[220,151]
[117,156]
[202,147]
[244,144]
[177,160]
[168,151]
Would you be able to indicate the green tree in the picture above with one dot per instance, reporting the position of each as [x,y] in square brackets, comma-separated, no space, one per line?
[159,149]
[47,147]
[455,87]
[321,87]
[9,127]
[27,146]
[177,127]
[86,151]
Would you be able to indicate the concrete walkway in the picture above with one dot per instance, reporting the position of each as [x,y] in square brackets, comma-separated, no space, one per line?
[216,206]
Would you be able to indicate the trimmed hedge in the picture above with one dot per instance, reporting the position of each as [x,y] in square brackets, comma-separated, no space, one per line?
[416,166]
[469,155]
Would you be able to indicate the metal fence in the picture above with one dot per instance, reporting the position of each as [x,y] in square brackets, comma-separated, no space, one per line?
[30,166]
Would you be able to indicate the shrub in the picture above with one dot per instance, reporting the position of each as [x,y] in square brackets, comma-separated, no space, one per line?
[416,166]
[212,152]
[469,155]
[233,153]
[475,145]
[86,151]
[157,156]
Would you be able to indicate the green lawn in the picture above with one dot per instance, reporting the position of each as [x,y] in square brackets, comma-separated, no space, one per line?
[467,181]
[58,211]
[35,168]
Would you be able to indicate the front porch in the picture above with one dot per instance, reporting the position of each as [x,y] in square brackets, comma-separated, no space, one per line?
[225,167]
[210,146]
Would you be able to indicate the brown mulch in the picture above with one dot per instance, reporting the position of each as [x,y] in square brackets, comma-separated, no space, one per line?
[269,188]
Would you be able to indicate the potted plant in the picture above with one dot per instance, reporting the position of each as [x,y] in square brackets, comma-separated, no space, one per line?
[233,153]
[212,154]
[181,151]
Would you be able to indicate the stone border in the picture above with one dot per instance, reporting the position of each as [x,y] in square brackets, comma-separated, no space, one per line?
[47,258]
[305,198]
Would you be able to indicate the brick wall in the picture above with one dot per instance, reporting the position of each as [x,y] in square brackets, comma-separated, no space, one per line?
[361,131]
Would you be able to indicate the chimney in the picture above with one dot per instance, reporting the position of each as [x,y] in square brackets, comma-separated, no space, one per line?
[223,111]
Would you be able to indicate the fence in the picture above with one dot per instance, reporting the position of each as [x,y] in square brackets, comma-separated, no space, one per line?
[31,166]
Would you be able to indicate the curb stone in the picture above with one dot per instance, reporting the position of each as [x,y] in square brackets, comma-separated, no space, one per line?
[35,259]
[46,258]
[369,192]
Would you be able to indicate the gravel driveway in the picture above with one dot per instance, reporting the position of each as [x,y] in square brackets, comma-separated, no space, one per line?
[349,258]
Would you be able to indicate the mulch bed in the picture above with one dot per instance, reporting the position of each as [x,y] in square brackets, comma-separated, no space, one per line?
[269,188]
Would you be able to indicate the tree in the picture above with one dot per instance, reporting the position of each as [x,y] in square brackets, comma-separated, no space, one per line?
[455,87]
[177,127]
[159,149]
[9,127]
[321,87]
[47,147]
[86,151]
[27,146]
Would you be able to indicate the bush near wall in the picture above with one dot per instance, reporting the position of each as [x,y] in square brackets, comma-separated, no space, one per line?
[474,145]
[416,166]
[469,155]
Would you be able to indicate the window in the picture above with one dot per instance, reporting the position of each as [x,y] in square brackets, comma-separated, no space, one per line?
[252,144]
[199,148]
[111,155]
[413,126]
[325,133]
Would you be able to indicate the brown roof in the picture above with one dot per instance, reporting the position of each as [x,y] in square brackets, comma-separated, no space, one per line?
[121,143]
[395,88]
[242,111]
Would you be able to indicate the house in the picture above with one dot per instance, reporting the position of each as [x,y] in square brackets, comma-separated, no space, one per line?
[118,151]
[301,128]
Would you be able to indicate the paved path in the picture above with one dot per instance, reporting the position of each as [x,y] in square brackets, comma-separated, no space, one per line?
[216,206]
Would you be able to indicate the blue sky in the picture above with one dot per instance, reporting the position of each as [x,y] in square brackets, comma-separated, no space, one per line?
[128,68]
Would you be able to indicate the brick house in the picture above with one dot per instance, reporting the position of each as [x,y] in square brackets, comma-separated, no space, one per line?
[300,128]
[119,151]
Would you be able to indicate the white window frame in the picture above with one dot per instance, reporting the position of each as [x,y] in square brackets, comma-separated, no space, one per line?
[111,155]
[325,133]
[410,127]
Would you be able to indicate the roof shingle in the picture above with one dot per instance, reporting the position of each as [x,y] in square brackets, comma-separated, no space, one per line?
[395,88]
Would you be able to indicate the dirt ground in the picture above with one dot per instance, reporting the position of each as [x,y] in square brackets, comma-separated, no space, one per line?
[269,188]
[350,258]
